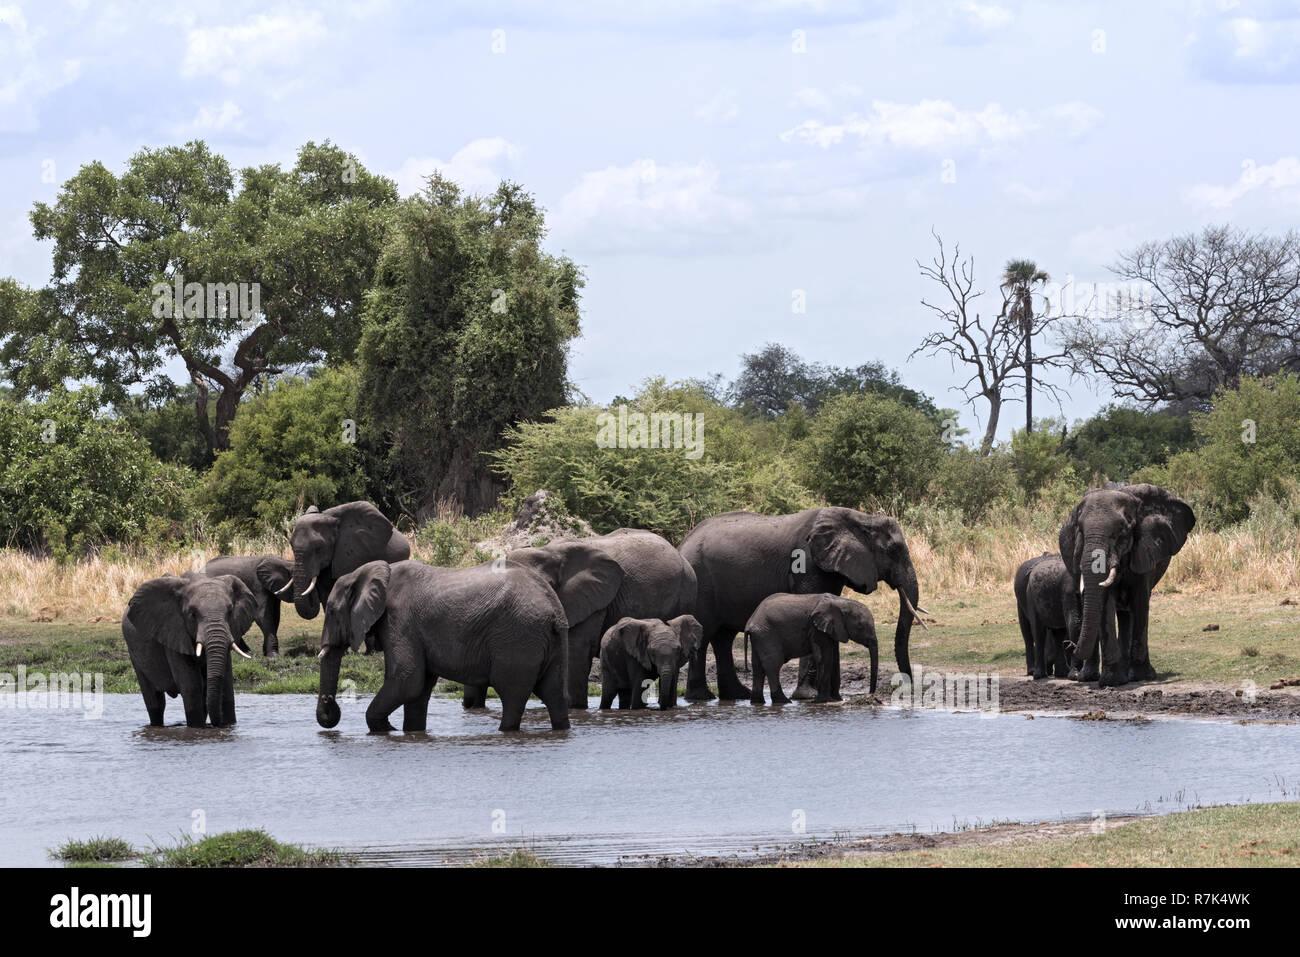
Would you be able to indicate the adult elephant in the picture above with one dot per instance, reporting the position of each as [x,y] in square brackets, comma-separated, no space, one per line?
[1118,542]
[741,558]
[629,573]
[499,626]
[329,544]
[268,577]
[179,632]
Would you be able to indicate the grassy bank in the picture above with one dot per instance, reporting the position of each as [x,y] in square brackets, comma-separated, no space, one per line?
[247,848]
[1257,835]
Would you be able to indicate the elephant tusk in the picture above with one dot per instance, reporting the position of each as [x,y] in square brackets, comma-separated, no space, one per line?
[323,652]
[242,651]
[287,586]
[1080,584]
[915,614]
[198,648]
[1110,579]
[310,587]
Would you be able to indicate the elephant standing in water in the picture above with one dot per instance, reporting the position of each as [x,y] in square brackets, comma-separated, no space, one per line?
[1118,542]
[798,626]
[740,558]
[496,626]
[329,544]
[636,651]
[179,633]
[629,573]
[1047,606]
[268,577]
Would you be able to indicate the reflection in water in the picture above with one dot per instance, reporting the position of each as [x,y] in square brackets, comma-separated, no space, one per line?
[704,779]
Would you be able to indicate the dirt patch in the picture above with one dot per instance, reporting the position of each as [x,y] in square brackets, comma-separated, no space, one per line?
[541,519]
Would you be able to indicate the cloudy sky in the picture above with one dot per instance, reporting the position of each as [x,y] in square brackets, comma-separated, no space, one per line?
[709,163]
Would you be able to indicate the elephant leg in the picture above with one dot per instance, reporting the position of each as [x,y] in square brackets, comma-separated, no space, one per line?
[1041,636]
[636,682]
[729,686]
[192,684]
[1114,663]
[554,695]
[806,689]
[697,687]
[828,673]
[582,639]
[607,695]
[228,699]
[772,668]
[155,702]
[270,638]
[388,699]
[1140,657]
[624,699]
[475,696]
[757,675]
[415,713]
[1027,633]
[513,701]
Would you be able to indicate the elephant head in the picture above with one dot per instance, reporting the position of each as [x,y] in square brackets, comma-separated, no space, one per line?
[334,542]
[355,604]
[1116,531]
[660,648]
[276,576]
[842,619]
[197,617]
[864,549]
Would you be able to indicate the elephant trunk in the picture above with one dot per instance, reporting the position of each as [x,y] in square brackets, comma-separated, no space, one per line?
[306,593]
[1094,600]
[667,688]
[909,598]
[874,650]
[327,708]
[216,640]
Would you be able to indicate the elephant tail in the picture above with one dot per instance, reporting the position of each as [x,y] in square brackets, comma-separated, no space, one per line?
[746,658]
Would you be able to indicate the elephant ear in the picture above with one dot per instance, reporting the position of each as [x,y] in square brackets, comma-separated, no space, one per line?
[839,546]
[690,634]
[363,535]
[243,606]
[828,618]
[369,599]
[275,573]
[633,636]
[1164,523]
[155,612]
[1070,542]
[588,580]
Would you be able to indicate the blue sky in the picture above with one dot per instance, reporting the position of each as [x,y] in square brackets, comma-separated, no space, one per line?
[705,160]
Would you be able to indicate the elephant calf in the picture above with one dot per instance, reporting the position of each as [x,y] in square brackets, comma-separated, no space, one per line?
[179,632]
[784,627]
[636,651]
[269,578]
[1047,604]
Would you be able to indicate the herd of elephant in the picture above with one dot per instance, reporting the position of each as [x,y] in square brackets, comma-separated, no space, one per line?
[533,621]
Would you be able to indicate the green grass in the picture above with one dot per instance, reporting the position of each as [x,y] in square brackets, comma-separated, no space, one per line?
[1252,835]
[248,848]
[516,858]
[94,851]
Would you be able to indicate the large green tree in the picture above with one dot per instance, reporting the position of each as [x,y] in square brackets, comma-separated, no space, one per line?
[466,333]
[303,241]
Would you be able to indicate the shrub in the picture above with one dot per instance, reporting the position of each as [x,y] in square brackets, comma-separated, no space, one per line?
[970,484]
[70,478]
[866,450]
[1118,441]
[288,449]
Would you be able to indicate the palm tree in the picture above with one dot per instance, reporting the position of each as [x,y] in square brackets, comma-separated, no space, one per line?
[1019,278]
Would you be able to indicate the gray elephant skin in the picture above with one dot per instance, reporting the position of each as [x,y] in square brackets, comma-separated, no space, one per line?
[329,544]
[628,573]
[498,626]
[1119,541]
[1047,606]
[637,651]
[741,558]
[268,577]
[785,627]
[179,633]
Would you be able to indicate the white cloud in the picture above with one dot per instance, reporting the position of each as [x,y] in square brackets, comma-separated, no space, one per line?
[1248,43]
[214,119]
[24,79]
[1281,178]
[477,167]
[1101,244]
[720,110]
[646,205]
[1031,195]
[263,43]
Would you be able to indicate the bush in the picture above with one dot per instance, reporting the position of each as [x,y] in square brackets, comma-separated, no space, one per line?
[742,466]
[970,484]
[1037,457]
[866,450]
[1118,441]
[288,449]
[70,478]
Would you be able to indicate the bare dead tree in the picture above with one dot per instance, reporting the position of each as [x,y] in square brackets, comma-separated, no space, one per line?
[1197,314]
[996,349]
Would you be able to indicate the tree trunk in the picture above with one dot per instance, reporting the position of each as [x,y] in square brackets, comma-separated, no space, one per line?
[1029,374]
[995,409]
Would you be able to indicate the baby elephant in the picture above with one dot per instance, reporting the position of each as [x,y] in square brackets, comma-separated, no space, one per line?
[1047,603]
[637,650]
[179,633]
[270,579]
[792,626]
